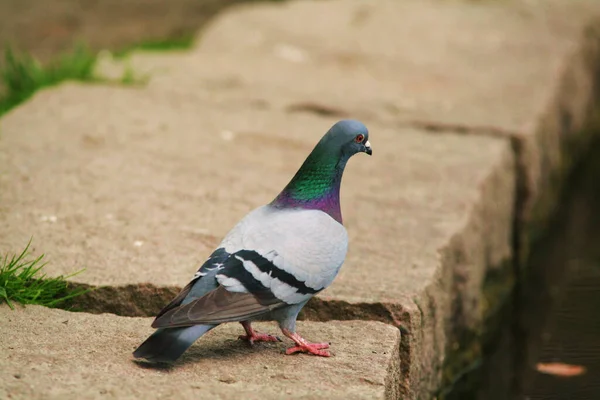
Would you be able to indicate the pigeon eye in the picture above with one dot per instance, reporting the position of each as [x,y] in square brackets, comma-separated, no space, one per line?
[359,138]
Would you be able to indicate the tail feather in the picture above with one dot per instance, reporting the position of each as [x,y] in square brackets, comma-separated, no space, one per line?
[168,344]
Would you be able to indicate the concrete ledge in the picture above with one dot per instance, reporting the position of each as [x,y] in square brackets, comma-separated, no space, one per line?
[92,360]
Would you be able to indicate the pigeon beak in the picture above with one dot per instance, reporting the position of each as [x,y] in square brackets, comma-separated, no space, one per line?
[368,149]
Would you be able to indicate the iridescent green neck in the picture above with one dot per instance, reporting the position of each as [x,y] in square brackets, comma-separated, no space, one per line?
[316,185]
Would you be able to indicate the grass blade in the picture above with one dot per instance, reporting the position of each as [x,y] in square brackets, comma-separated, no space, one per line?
[22,281]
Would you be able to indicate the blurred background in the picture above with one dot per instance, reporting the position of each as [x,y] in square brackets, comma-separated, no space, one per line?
[47,29]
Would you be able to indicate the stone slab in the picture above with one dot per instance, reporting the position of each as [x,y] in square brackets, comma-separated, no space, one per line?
[54,354]
[520,69]
[139,186]
[498,69]
[143,194]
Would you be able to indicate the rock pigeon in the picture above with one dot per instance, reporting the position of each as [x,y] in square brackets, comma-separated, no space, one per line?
[272,262]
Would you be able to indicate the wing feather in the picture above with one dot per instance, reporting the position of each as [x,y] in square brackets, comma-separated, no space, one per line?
[217,307]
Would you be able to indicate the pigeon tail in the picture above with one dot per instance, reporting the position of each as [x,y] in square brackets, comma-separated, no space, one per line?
[168,344]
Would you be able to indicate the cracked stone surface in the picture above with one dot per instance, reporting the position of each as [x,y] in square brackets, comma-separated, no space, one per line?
[93,360]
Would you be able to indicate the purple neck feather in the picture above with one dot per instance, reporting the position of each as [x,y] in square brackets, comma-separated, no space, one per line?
[316,185]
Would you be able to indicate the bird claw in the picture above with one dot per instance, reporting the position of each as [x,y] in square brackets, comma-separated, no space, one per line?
[259,337]
[311,348]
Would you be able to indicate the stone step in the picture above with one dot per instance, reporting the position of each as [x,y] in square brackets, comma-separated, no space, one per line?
[139,186]
[55,354]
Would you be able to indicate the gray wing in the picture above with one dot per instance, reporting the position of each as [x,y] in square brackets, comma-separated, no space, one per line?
[203,282]
[241,295]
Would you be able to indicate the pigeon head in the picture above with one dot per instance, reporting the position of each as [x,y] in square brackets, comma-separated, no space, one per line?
[317,183]
[348,137]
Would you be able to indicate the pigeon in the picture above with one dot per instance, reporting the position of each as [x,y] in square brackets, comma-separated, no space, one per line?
[272,262]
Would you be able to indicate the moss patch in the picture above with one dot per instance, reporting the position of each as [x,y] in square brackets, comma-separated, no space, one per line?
[468,348]
[495,356]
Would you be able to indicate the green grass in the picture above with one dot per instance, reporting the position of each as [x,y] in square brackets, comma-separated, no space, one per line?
[173,44]
[22,281]
[22,74]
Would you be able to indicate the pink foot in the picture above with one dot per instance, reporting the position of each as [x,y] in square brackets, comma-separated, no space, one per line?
[252,336]
[311,348]
[302,346]
[259,337]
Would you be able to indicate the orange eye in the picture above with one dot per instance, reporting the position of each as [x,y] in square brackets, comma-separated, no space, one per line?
[359,138]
